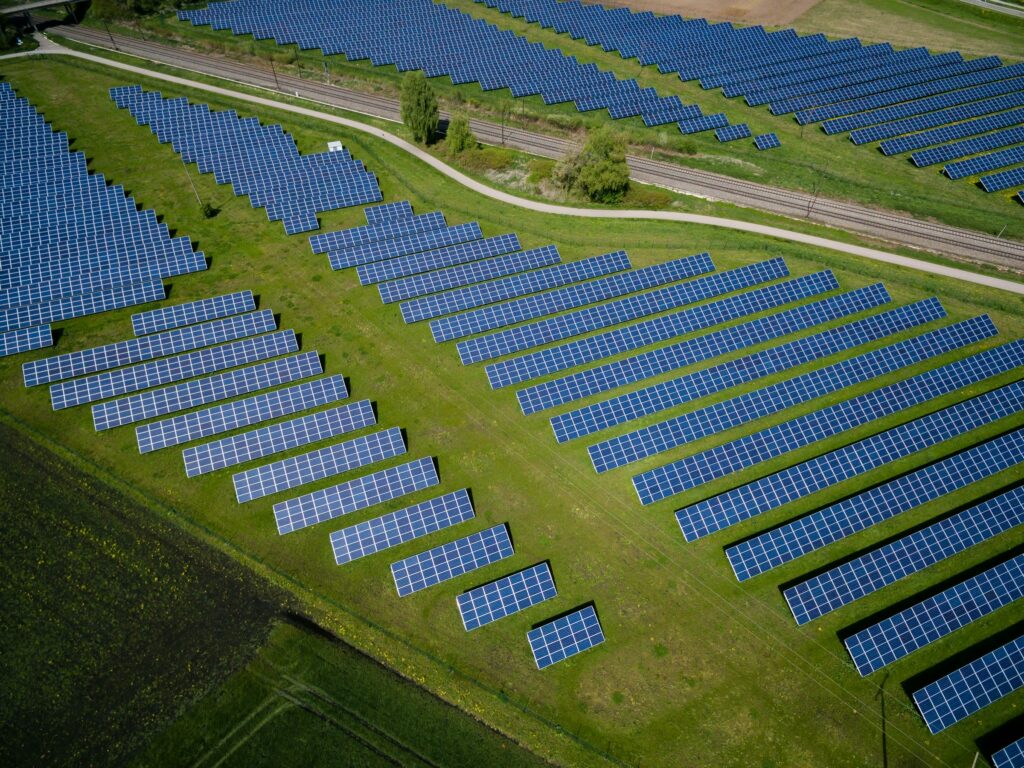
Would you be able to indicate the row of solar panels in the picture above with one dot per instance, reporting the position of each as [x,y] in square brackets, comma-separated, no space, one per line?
[444,41]
[874,91]
[260,161]
[70,245]
[505,314]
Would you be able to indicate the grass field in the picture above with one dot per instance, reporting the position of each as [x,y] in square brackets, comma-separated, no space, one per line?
[697,669]
[808,159]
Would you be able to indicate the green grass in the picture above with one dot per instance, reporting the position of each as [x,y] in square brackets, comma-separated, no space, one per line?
[697,669]
[808,160]
[307,701]
[941,25]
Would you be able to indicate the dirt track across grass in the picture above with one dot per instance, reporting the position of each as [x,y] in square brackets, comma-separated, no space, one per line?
[768,12]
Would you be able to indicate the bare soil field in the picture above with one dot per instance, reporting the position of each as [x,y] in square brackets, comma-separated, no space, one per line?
[767,12]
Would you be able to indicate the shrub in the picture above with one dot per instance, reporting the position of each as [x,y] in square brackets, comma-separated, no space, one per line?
[419,107]
[460,137]
[599,171]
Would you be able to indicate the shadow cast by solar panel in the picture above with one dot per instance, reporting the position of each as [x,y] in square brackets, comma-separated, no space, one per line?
[931,591]
[57,333]
[1001,737]
[963,658]
[814,573]
[867,489]
[568,611]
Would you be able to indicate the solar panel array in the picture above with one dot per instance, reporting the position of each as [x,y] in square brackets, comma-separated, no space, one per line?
[192,394]
[582,321]
[71,245]
[1011,756]
[178,315]
[396,528]
[445,41]
[842,81]
[632,337]
[260,161]
[415,263]
[967,147]
[354,495]
[275,438]
[391,248]
[744,452]
[733,132]
[567,636]
[86,361]
[386,229]
[997,182]
[937,616]
[239,413]
[807,534]
[674,392]
[857,578]
[664,359]
[829,469]
[973,686]
[451,560]
[563,299]
[767,141]
[511,594]
[325,462]
[990,162]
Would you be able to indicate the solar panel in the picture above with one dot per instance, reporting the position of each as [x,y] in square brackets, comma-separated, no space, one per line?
[990,162]
[945,133]
[122,381]
[767,141]
[975,685]
[354,495]
[997,182]
[854,579]
[630,308]
[582,351]
[733,132]
[845,518]
[404,245]
[450,560]
[609,376]
[472,296]
[316,465]
[511,594]
[241,413]
[377,214]
[275,438]
[830,469]
[25,340]
[191,394]
[70,307]
[568,297]
[396,528]
[967,147]
[674,392]
[382,230]
[138,350]
[937,616]
[192,312]
[414,263]
[691,472]
[564,637]
[467,274]
[1011,756]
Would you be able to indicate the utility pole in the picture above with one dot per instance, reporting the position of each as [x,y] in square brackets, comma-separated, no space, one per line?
[274,71]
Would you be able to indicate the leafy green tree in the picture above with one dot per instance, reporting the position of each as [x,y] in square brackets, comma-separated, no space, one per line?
[419,107]
[459,137]
[599,171]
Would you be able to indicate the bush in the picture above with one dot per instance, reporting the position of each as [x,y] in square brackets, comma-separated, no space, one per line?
[598,172]
[419,107]
[460,137]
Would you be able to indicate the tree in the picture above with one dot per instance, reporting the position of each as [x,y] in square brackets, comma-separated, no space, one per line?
[419,107]
[459,137]
[599,171]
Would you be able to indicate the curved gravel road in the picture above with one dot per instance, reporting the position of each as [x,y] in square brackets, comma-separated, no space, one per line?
[48,47]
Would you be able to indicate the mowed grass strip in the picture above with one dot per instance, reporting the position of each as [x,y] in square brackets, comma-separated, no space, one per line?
[695,669]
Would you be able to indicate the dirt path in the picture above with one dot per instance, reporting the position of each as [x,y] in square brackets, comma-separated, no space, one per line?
[767,12]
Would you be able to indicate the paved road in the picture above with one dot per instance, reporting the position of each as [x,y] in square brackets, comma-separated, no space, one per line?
[1009,10]
[881,225]
[48,47]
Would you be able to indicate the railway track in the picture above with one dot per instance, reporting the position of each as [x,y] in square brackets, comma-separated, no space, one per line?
[890,227]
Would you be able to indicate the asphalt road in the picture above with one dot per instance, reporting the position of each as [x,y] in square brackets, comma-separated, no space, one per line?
[880,225]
